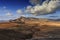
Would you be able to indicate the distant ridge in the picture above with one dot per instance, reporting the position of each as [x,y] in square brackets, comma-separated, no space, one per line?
[23,19]
[3,21]
[54,19]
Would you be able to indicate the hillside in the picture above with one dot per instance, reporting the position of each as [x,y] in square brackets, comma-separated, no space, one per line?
[29,21]
[37,21]
[29,29]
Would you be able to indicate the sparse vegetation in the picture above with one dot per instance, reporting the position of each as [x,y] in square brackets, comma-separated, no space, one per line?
[29,30]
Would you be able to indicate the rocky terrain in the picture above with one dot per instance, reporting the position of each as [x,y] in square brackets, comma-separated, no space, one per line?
[30,29]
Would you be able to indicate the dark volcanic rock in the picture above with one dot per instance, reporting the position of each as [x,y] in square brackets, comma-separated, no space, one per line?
[13,35]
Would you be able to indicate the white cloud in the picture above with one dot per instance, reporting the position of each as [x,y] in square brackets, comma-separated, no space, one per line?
[8,14]
[46,7]
[28,9]
[23,15]
[19,11]
[4,7]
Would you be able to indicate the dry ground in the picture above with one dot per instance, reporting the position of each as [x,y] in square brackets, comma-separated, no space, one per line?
[30,23]
[7,25]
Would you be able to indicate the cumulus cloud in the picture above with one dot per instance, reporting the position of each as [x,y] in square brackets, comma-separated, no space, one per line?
[23,15]
[8,14]
[19,11]
[46,7]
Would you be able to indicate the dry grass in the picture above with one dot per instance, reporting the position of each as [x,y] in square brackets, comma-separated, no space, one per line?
[36,29]
[7,25]
[30,23]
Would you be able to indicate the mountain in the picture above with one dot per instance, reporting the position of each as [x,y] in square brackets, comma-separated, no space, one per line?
[37,21]
[29,28]
[54,19]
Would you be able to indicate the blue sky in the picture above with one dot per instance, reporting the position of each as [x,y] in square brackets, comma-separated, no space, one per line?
[8,10]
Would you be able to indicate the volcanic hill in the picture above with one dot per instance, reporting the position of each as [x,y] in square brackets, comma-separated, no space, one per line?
[28,28]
